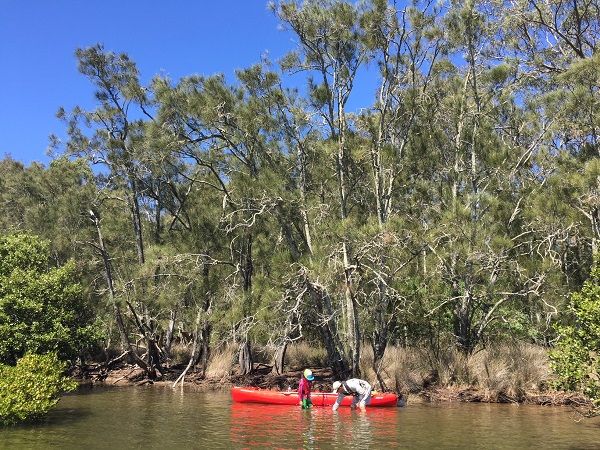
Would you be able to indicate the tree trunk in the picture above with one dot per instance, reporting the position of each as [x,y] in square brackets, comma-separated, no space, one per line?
[379,345]
[352,323]
[158,219]
[136,220]
[195,350]
[462,323]
[245,358]
[279,362]
[125,343]
[205,355]
[169,335]
[246,265]
[154,359]
[152,364]
[329,332]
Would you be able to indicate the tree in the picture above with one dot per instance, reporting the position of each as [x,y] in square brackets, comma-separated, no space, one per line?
[330,49]
[49,202]
[462,203]
[406,45]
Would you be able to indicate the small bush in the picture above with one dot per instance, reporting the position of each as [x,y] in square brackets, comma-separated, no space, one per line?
[42,308]
[29,389]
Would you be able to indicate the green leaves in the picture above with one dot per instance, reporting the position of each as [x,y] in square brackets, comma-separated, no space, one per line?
[29,389]
[41,308]
[22,252]
[575,358]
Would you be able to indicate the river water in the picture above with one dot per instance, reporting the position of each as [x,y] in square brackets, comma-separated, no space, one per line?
[159,417]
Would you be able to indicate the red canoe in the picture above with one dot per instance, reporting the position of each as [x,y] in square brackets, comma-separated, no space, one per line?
[256,395]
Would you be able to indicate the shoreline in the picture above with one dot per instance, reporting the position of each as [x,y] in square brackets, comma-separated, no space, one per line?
[263,378]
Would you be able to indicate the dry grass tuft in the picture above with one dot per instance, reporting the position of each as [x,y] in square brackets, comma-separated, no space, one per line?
[180,354]
[402,369]
[221,362]
[301,354]
[510,370]
[405,369]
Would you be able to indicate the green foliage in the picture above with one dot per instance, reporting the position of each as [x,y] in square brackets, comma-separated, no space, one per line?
[42,309]
[29,389]
[576,358]
[22,252]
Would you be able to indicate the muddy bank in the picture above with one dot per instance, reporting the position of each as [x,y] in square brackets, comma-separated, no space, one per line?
[263,377]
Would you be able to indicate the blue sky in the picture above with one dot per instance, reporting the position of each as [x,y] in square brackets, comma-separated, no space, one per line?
[39,71]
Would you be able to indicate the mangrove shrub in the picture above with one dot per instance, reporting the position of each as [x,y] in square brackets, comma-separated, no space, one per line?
[29,389]
[42,308]
[576,359]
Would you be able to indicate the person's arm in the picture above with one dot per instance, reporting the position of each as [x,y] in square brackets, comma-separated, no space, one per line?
[338,401]
[363,397]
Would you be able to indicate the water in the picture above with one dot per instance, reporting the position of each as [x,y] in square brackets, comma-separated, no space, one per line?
[156,417]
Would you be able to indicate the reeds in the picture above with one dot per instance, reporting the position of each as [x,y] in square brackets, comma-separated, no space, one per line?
[510,370]
[498,372]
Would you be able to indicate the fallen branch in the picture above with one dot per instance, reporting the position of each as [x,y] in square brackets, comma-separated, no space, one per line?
[114,360]
[124,376]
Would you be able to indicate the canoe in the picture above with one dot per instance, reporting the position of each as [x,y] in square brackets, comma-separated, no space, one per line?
[257,395]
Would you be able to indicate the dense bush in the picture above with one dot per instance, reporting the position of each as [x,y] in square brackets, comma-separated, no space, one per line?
[576,359]
[42,309]
[29,389]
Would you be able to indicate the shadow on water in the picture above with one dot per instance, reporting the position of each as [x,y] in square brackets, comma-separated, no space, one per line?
[56,417]
[66,416]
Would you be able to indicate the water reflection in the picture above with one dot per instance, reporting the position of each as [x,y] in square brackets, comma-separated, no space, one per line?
[256,425]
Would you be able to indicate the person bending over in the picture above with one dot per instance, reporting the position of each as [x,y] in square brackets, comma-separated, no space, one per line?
[360,390]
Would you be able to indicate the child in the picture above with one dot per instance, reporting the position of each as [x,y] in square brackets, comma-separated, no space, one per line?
[304,389]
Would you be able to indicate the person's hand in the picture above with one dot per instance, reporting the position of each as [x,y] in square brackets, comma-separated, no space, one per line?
[362,406]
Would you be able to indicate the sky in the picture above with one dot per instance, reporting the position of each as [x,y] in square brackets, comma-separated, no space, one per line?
[38,39]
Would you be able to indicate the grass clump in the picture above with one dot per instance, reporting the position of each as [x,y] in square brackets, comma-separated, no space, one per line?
[222,361]
[301,355]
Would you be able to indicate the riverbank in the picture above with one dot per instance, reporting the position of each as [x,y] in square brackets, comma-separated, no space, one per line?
[263,377]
